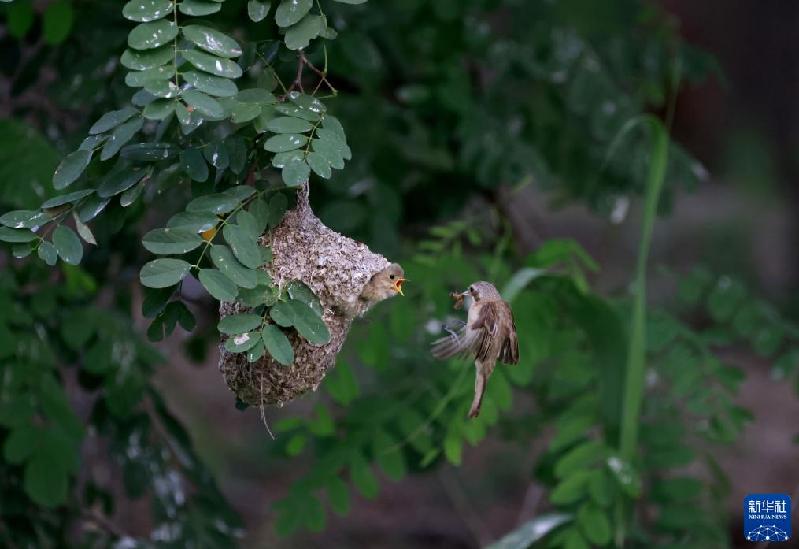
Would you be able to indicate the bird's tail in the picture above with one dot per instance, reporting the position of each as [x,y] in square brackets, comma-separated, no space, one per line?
[479,389]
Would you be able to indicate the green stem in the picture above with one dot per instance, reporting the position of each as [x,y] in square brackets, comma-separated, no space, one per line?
[636,359]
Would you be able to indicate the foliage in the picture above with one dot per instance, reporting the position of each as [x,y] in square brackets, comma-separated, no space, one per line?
[202,125]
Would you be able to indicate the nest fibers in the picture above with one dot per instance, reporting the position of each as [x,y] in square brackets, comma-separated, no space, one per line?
[336,268]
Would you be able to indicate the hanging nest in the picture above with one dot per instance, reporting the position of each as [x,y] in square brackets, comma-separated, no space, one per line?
[336,268]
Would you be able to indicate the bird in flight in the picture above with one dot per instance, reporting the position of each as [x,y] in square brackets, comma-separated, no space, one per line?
[489,335]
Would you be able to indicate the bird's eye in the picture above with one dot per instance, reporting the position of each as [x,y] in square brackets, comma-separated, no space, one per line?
[391,277]
[471,289]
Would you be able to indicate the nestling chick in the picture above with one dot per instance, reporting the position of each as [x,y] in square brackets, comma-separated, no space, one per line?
[489,335]
[383,284]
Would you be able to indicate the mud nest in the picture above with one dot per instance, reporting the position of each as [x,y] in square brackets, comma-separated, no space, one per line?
[336,268]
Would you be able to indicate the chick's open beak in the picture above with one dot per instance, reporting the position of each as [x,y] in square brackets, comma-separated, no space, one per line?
[398,286]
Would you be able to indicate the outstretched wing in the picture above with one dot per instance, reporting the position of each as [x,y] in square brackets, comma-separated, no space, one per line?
[458,343]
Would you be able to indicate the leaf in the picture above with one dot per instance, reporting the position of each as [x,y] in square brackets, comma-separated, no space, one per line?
[119,180]
[19,18]
[580,457]
[257,10]
[281,159]
[47,253]
[363,478]
[171,240]
[242,342]
[111,120]
[149,152]
[249,224]
[319,165]
[57,21]
[203,103]
[159,109]
[212,41]
[217,203]
[71,168]
[218,285]
[259,209]
[68,245]
[210,84]
[24,219]
[163,272]
[197,221]
[143,60]
[301,292]
[388,456]
[353,2]
[287,124]
[256,95]
[213,64]
[223,259]
[594,524]
[45,479]
[296,313]
[332,151]
[571,489]
[91,208]
[295,173]
[290,12]
[194,164]
[165,89]
[297,112]
[83,230]
[299,36]
[277,208]
[144,11]
[21,443]
[285,142]
[199,8]
[239,323]
[277,344]
[120,136]
[147,36]
[338,495]
[68,198]
[242,113]
[244,245]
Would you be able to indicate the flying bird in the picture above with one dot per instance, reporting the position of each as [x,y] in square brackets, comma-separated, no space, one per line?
[489,334]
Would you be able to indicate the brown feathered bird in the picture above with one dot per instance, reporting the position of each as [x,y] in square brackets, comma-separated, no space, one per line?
[383,284]
[489,334]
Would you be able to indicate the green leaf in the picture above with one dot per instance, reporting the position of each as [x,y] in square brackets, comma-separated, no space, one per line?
[218,285]
[24,219]
[199,8]
[19,18]
[296,313]
[571,489]
[171,240]
[281,159]
[594,524]
[198,222]
[147,36]
[298,112]
[285,142]
[21,443]
[242,113]
[144,11]
[256,95]
[111,120]
[277,344]
[143,60]
[319,165]
[71,168]
[353,2]
[120,136]
[194,164]
[57,21]
[244,245]
[217,203]
[295,173]
[287,124]
[223,259]
[68,245]
[212,41]
[363,478]
[388,456]
[256,352]
[48,253]
[338,495]
[91,208]
[332,151]
[210,84]
[299,36]
[239,323]
[263,294]
[257,10]
[580,457]
[290,12]
[149,152]
[259,209]
[159,109]
[242,342]
[277,208]
[45,479]
[165,89]
[203,103]
[119,180]
[164,272]
[300,291]
[68,198]
[213,64]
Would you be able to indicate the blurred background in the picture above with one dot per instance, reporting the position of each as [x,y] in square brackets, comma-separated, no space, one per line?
[490,139]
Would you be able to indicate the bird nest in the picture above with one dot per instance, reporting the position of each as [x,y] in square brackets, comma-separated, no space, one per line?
[336,268]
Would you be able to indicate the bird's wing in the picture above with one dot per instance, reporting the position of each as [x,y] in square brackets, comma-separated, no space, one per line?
[486,327]
[510,347]
[460,343]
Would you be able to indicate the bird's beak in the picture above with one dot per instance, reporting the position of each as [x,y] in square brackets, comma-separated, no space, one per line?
[398,286]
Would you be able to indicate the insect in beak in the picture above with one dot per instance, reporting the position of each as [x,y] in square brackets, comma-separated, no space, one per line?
[398,285]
